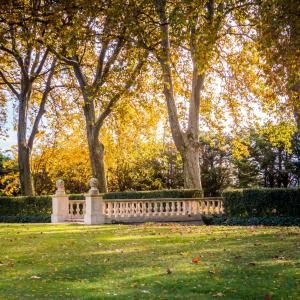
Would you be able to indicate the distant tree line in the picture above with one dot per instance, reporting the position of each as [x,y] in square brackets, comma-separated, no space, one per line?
[205,61]
[266,165]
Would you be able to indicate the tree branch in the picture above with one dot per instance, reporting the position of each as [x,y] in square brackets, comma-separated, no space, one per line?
[100,64]
[116,97]
[164,58]
[40,67]
[9,84]
[111,60]
[42,105]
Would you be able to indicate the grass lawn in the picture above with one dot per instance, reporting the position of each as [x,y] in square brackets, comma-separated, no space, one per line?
[149,261]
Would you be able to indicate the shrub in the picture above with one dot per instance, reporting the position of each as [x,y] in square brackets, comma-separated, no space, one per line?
[155,194]
[262,202]
[76,197]
[25,206]
[25,219]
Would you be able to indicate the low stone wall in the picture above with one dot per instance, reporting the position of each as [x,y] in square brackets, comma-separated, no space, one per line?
[160,210]
[95,210]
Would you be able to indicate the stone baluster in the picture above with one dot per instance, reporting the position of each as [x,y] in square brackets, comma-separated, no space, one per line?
[221,207]
[193,207]
[155,209]
[75,209]
[202,207]
[218,209]
[184,210]
[60,204]
[94,213]
[178,208]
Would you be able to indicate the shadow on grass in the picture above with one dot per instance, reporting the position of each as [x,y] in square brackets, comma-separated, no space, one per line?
[124,262]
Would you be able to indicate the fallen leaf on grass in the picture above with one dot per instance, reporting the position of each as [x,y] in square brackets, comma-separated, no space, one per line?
[218,294]
[278,257]
[196,259]
[169,271]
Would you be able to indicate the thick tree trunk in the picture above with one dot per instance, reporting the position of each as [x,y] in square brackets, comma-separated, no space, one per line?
[96,148]
[191,167]
[23,150]
[187,143]
[25,170]
[96,153]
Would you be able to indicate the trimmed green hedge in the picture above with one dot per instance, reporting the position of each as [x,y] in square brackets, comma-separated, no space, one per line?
[25,219]
[155,194]
[262,202]
[20,206]
[76,197]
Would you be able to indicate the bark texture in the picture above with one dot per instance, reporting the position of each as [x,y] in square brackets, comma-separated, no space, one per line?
[187,142]
[94,121]
[96,153]
[23,150]
[31,67]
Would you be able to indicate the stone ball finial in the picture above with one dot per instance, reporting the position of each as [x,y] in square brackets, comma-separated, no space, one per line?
[93,182]
[60,184]
[60,187]
[94,186]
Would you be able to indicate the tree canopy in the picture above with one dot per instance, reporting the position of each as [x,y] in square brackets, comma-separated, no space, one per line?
[148,95]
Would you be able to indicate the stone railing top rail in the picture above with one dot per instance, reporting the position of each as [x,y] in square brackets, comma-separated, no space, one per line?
[77,200]
[165,199]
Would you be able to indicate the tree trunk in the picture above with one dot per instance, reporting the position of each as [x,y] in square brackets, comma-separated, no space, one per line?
[25,170]
[191,167]
[187,143]
[96,153]
[23,150]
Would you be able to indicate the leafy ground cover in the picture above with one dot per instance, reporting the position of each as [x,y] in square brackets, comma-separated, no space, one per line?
[150,261]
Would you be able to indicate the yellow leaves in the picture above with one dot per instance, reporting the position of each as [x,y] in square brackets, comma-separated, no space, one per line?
[196,259]
[279,134]
[10,180]
[240,149]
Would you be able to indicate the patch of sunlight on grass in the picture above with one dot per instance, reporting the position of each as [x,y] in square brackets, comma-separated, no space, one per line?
[148,261]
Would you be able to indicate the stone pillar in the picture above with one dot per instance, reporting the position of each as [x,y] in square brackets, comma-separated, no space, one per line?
[93,205]
[60,204]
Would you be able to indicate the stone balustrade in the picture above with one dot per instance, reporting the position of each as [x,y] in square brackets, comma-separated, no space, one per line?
[168,209]
[96,210]
[76,210]
[211,206]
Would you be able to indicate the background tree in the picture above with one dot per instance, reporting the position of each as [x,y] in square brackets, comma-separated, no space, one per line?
[9,176]
[216,167]
[271,162]
[103,62]
[187,39]
[278,36]
[26,72]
